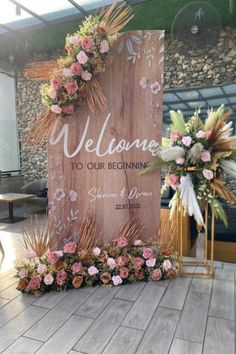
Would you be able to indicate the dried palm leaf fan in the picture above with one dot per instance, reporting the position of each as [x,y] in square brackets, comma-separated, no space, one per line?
[131,229]
[196,26]
[112,20]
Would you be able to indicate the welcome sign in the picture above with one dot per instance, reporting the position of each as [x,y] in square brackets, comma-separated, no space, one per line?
[94,160]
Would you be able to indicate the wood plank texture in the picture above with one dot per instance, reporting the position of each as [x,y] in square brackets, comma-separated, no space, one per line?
[144,307]
[67,336]
[121,342]
[103,328]
[176,293]
[224,274]
[122,192]
[159,335]
[201,285]
[193,319]
[180,346]
[220,337]
[49,300]
[23,346]
[222,300]
[48,325]
[130,292]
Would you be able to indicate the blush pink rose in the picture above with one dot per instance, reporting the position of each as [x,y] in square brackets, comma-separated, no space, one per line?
[87,43]
[67,72]
[208,174]
[201,134]
[206,156]
[175,135]
[93,271]
[61,277]
[70,247]
[97,251]
[174,180]
[56,83]
[151,262]
[137,243]
[77,268]
[186,140]
[52,93]
[124,272]
[86,76]
[75,40]
[122,242]
[167,264]
[138,262]
[76,69]
[82,57]
[23,273]
[54,256]
[208,134]
[147,253]
[35,283]
[71,87]
[117,280]
[156,275]
[111,262]
[121,261]
[56,109]
[41,268]
[180,161]
[30,254]
[104,46]
[68,109]
[48,279]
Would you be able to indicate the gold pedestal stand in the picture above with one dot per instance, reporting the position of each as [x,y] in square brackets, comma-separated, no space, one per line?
[208,265]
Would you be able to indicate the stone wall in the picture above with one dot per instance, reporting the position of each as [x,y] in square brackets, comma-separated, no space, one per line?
[182,69]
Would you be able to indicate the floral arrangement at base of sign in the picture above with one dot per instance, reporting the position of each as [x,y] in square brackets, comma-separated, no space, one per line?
[197,155]
[73,81]
[125,260]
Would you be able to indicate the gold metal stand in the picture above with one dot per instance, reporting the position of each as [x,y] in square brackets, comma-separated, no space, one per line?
[209,266]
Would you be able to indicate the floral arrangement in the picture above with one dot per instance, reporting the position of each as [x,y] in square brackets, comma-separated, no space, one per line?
[73,80]
[197,155]
[114,264]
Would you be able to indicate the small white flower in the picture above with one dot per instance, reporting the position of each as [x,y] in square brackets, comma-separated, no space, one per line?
[155,88]
[73,196]
[59,194]
[143,83]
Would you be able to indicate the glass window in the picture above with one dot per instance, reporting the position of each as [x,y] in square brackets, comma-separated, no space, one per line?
[9,144]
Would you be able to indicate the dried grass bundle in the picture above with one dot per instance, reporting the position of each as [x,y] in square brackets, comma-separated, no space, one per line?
[220,188]
[88,237]
[131,229]
[36,236]
[167,231]
[95,97]
[40,70]
[40,129]
[116,17]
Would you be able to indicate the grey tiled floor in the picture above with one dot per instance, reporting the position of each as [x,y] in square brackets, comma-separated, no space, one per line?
[182,316]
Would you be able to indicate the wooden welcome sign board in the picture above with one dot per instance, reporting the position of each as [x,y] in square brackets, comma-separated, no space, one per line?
[94,160]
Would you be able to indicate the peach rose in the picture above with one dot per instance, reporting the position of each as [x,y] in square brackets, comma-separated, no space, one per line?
[77,281]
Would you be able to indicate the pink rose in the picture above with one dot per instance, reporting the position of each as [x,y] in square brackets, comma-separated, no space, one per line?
[104,46]
[175,135]
[97,251]
[167,264]
[117,280]
[206,156]
[75,40]
[208,174]
[23,273]
[138,262]
[174,180]
[151,262]
[147,253]
[77,268]
[41,268]
[52,93]
[61,277]
[156,275]
[86,76]
[137,243]
[54,256]
[56,109]
[87,43]
[56,83]
[201,134]
[180,161]
[71,87]
[93,271]
[67,72]
[34,283]
[122,242]
[124,272]
[82,57]
[76,69]
[121,261]
[48,279]
[208,134]
[70,247]
[68,109]
[186,140]
[30,254]
[155,88]
[111,263]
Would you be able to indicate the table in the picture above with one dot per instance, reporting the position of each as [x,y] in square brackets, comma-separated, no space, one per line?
[10,198]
